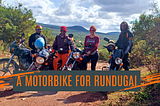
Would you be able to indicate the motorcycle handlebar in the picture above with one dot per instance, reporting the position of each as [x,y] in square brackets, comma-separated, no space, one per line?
[104,46]
[22,41]
[87,47]
[106,39]
[34,51]
[81,43]
[53,54]
[68,41]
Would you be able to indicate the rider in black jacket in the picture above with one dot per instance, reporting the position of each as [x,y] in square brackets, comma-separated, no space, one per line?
[36,35]
[125,42]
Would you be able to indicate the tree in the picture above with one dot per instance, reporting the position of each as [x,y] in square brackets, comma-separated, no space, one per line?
[14,21]
[48,33]
[146,49]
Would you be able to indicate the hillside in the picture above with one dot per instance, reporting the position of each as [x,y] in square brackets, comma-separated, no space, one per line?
[80,32]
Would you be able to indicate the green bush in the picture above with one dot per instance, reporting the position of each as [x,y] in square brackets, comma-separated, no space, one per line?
[103,54]
[146,49]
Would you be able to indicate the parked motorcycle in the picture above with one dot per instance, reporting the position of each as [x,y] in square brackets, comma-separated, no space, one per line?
[74,61]
[8,65]
[115,61]
[43,60]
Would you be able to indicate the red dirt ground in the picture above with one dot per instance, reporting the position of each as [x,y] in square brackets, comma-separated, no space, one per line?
[46,98]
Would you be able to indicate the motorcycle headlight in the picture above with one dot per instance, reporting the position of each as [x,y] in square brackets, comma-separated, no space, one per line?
[40,60]
[76,55]
[118,61]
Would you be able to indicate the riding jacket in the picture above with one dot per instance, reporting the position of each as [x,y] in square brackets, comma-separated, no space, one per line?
[33,38]
[125,41]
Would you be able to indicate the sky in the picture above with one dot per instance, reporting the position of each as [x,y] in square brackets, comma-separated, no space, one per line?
[105,15]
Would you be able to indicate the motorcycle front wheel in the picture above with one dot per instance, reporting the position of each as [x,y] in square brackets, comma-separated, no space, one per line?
[7,70]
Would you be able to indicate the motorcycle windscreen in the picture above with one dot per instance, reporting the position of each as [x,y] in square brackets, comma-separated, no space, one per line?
[44,53]
[118,53]
[12,46]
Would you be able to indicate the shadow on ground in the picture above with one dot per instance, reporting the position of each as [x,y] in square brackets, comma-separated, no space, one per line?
[84,97]
[9,91]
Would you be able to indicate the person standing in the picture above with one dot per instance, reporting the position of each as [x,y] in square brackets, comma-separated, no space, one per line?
[35,36]
[125,43]
[60,42]
[92,51]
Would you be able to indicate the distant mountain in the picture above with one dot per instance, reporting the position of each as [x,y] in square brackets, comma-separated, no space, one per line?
[113,33]
[80,32]
[77,28]
[49,26]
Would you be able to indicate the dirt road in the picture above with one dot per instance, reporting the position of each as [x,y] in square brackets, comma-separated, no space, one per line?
[46,98]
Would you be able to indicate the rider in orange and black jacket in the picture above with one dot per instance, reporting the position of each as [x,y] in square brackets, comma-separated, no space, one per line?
[125,42]
[60,42]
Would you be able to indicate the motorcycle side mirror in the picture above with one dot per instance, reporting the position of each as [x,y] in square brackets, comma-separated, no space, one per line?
[22,34]
[80,42]
[19,37]
[106,39]
[70,35]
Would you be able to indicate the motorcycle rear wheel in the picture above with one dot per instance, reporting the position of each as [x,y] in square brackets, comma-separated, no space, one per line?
[7,71]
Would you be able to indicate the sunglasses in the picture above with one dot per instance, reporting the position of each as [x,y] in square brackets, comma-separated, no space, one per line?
[63,30]
[92,29]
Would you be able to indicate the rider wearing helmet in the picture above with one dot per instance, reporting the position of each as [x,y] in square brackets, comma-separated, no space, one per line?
[124,42]
[60,42]
[35,36]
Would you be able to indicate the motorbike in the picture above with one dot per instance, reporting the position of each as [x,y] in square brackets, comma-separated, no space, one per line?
[74,61]
[43,60]
[115,59]
[8,65]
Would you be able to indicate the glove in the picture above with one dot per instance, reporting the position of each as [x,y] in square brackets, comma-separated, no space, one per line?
[125,52]
[128,47]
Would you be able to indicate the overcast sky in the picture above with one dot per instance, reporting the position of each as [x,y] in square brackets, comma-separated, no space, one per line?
[106,15]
